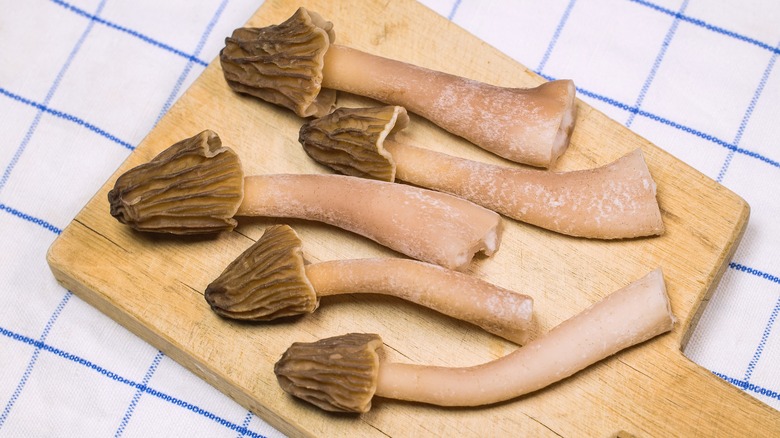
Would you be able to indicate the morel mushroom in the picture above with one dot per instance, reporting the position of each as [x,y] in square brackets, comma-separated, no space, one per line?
[344,373]
[270,280]
[197,186]
[614,201]
[295,64]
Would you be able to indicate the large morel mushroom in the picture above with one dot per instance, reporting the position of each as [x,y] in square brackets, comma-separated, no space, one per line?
[197,185]
[270,280]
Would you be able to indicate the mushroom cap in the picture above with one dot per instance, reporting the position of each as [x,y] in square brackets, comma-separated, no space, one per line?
[282,64]
[337,374]
[351,140]
[193,187]
[267,281]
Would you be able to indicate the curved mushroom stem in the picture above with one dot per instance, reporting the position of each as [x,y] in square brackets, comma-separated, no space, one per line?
[499,311]
[627,317]
[423,224]
[287,64]
[617,200]
[269,281]
[197,185]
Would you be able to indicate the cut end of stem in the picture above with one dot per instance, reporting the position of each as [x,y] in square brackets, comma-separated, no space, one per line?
[567,92]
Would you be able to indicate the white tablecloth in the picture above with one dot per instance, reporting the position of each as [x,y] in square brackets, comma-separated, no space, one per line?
[83,81]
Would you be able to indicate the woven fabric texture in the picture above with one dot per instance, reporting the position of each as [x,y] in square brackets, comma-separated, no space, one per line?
[83,81]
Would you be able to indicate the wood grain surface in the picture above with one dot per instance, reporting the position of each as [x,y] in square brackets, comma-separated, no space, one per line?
[153,285]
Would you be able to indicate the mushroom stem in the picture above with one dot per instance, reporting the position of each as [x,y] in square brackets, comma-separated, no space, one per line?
[614,201]
[287,64]
[423,224]
[269,281]
[629,316]
[197,186]
[499,311]
[617,200]
[526,125]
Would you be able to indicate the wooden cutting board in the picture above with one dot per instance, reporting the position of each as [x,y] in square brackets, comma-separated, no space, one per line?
[153,285]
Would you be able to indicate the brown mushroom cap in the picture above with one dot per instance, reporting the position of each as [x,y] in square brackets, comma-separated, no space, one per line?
[350,140]
[282,64]
[267,281]
[337,374]
[195,186]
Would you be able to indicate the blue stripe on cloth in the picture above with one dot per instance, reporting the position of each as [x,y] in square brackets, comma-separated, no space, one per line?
[4,179]
[137,396]
[52,89]
[558,29]
[117,378]
[756,272]
[202,42]
[657,63]
[68,117]
[245,423]
[140,36]
[30,365]
[665,121]
[749,386]
[454,10]
[30,219]
[764,336]
[703,24]
[772,317]
[748,114]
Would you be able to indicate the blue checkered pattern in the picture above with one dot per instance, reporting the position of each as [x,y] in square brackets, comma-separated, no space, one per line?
[83,81]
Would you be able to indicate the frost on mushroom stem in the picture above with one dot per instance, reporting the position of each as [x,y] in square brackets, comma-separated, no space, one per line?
[614,201]
[297,65]
[197,185]
[320,372]
[270,280]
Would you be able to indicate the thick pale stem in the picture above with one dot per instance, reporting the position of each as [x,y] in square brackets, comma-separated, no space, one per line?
[614,201]
[499,311]
[423,224]
[530,126]
[627,317]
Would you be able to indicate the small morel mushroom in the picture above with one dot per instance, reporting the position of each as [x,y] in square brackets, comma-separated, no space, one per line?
[614,201]
[197,185]
[322,372]
[295,64]
[270,280]
[336,374]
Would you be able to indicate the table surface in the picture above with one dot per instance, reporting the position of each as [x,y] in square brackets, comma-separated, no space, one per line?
[697,81]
